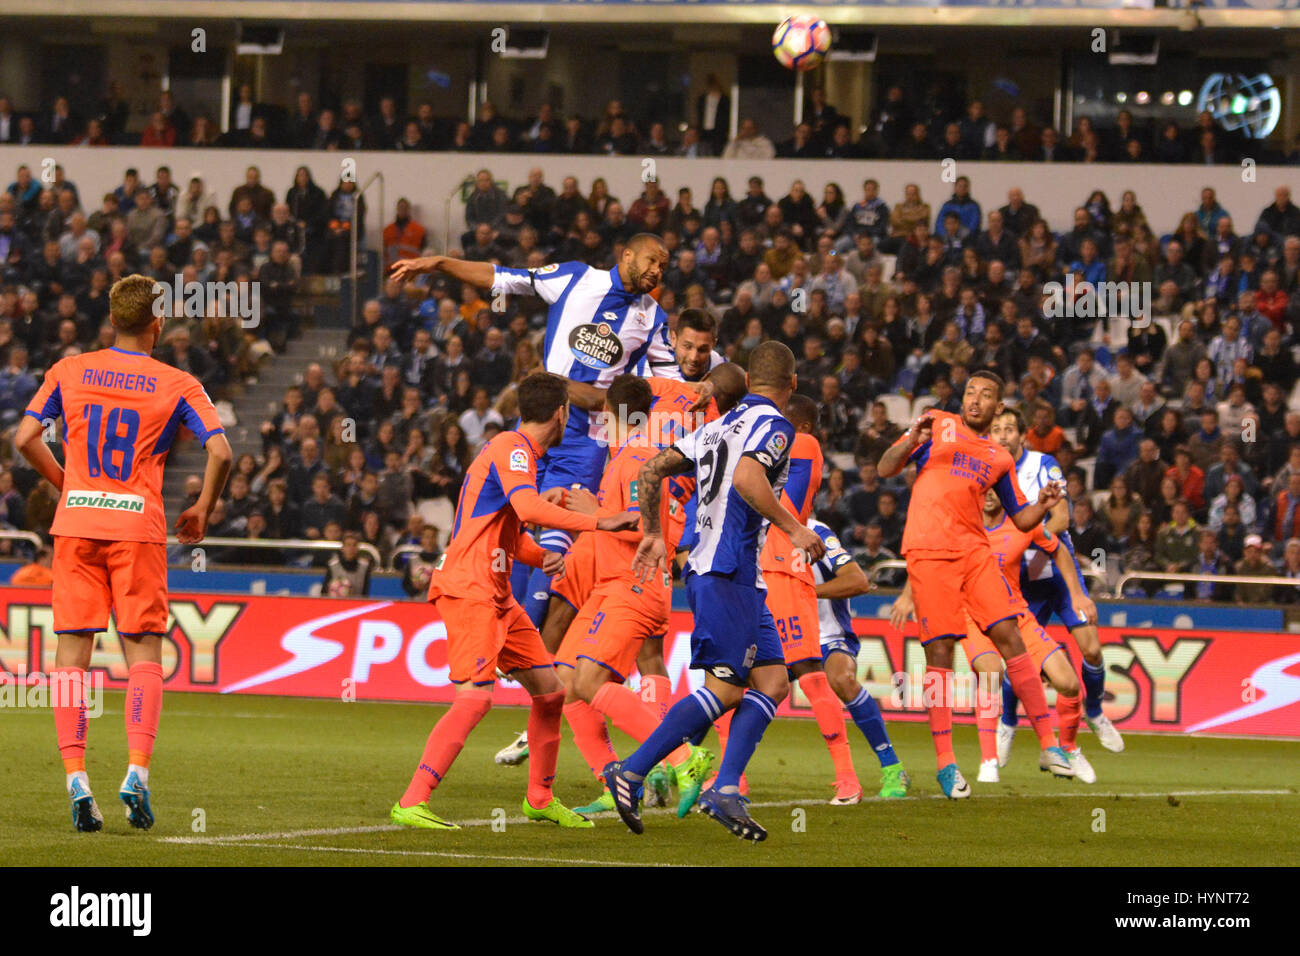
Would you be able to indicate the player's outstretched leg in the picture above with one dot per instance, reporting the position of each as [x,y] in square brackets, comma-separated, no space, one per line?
[987,710]
[865,714]
[1094,687]
[1026,680]
[143,709]
[513,753]
[757,709]
[440,750]
[1069,708]
[592,739]
[544,717]
[828,710]
[68,694]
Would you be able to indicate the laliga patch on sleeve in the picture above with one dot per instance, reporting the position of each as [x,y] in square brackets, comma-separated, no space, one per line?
[832,543]
[543,270]
[776,445]
[1054,473]
[519,460]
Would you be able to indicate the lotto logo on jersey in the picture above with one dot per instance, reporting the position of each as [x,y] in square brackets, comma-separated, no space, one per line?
[595,345]
[519,460]
[104,500]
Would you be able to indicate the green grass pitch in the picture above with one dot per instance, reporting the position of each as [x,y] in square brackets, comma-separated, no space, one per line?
[249,781]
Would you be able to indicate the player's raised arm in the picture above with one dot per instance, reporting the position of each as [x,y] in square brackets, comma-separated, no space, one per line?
[1023,516]
[475,273]
[850,581]
[192,523]
[897,455]
[751,483]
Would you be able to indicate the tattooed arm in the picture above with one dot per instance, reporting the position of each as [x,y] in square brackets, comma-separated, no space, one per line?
[652,555]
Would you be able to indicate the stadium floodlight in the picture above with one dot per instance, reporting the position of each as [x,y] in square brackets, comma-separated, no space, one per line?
[257,38]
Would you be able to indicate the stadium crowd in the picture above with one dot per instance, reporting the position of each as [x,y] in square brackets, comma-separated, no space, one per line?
[1173,425]
[905,124]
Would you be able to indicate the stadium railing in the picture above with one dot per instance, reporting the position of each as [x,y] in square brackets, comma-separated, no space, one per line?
[1172,577]
[275,544]
[1089,570]
[376,176]
[31,537]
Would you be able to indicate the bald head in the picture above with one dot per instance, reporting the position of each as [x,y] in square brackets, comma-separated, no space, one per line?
[729,387]
[771,365]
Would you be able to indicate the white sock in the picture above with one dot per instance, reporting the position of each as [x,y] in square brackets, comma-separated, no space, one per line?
[79,775]
[141,772]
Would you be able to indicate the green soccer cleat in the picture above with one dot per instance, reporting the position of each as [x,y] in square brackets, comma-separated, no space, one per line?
[557,813]
[602,804]
[894,782]
[419,816]
[656,787]
[691,777]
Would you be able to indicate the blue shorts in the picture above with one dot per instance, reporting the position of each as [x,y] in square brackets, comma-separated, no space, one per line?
[1050,596]
[842,645]
[572,463]
[734,631]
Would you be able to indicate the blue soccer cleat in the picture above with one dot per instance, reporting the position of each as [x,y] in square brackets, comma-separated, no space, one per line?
[953,784]
[627,795]
[85,812]
[135,795]
[731,810]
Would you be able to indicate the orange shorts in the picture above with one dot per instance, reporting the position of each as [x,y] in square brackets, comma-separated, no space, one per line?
[1038,642]
[610,628]
[793,603]
[94,577]
[579,572]
[483,638]
[944,587]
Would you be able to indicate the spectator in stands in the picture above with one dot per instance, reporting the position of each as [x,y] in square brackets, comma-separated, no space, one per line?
[1284,521]
[1254,563]
[1209,560]
[1177,541]
[477,416]
[749,143]
[1121,510]
[964,205]
[39,573]
[348,572]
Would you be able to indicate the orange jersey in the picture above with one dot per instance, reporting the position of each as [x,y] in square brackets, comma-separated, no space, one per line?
[619,492]
[800,490]
[121,411]
[670,417]
[955,467]
[1009,544]
[498,496]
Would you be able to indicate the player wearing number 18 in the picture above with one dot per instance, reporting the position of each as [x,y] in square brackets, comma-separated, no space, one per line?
[121,411]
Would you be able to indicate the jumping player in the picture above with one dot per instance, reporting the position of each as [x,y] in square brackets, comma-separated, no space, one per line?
[1046,589]
[688,351]
[740,463]
[951,566]
[487,630]
[839,578]
[121,413]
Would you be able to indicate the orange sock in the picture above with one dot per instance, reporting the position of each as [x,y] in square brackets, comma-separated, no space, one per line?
[660,696]
[543,746]
[988,708]
[445,742]
[634,716]
[1029,688]
[590,734]
[143,709]
[68,690]
[829,711]
[1069,710]
[934,690]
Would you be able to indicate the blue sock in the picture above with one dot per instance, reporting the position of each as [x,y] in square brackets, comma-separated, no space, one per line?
[538,597]
[1094,686]
[866,714]
[1009,703]
[755,712]
[519,575]
[699,737]
[682,722]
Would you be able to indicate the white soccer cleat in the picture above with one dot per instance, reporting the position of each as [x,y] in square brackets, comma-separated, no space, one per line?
[1082,769]
[1106,733]
[514,754]
[988,772]
[1006,735]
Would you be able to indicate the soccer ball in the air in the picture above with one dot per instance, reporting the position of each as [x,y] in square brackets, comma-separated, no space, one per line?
[801,42]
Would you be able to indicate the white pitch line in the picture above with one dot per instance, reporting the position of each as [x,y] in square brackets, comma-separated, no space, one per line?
[255,838]
[457,856]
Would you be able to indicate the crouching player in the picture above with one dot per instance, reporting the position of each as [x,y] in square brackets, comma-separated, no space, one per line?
[487,629]
[840,578]
[121,411]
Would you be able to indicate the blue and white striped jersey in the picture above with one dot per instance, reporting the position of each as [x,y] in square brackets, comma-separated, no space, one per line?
[833,617]
[728,532]
[595,329]
[1034,469]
